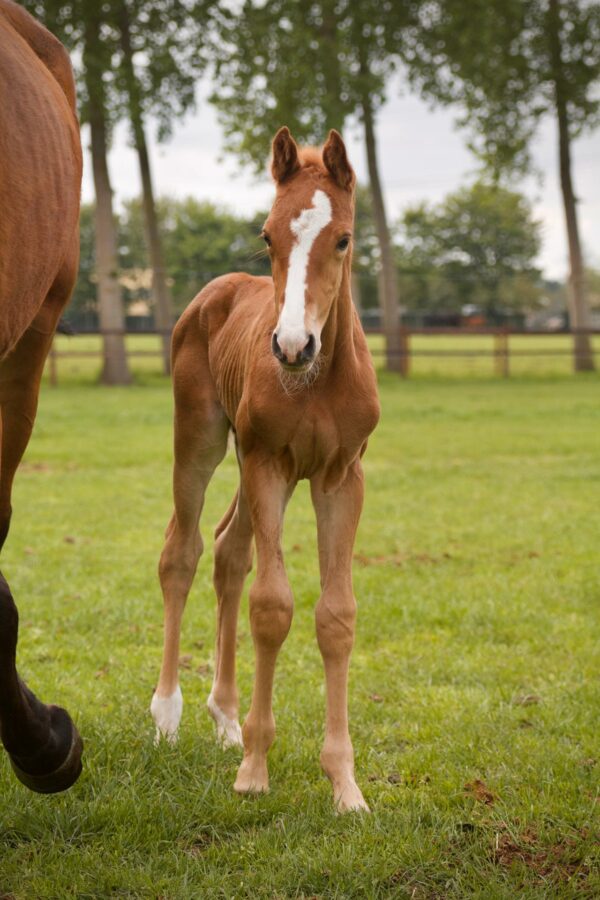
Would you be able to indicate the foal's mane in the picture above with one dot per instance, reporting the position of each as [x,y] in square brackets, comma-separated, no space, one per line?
[312,158]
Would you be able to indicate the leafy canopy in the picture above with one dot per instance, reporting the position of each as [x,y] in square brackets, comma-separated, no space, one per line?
[495,59]
[477,247]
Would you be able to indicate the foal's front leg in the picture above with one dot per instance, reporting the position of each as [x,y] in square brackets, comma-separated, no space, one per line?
[337,519]
[271,606]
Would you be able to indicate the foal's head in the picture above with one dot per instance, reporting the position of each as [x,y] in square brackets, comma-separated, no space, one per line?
[308,233]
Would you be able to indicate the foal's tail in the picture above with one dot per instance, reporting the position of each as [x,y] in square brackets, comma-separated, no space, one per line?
[42,742]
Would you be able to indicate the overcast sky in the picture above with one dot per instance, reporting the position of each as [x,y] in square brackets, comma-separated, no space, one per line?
[422,156]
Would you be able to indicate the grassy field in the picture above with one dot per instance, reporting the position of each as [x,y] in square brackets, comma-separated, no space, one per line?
[80,356]
[475,681]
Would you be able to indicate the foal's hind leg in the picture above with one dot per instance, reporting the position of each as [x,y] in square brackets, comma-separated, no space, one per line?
[233,561]
[201,429]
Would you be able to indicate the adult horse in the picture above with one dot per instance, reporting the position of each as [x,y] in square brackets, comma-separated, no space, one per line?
[40,166]
[284,363]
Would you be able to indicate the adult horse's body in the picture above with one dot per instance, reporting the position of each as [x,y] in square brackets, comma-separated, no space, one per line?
[284,363]
[40,178]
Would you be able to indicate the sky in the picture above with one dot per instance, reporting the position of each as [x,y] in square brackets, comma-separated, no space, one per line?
[422,157]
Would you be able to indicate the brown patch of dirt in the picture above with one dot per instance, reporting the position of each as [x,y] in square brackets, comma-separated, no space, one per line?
[561,861]
[185,661]
[203,669]
[400,559]
[410,779]
[376,698]
[33,467]
[526,700]
[199,843]
[480,792]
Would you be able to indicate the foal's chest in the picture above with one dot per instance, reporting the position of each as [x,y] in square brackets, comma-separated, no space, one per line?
[311,435]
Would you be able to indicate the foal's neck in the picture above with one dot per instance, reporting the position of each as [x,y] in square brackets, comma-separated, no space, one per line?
[337,344]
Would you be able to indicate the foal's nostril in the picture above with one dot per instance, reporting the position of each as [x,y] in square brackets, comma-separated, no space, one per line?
[277,351]
[309,349]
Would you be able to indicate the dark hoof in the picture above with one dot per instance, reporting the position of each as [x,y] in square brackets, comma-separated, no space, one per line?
[32,772]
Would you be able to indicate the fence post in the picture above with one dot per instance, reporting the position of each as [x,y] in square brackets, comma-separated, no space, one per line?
[53,366]
[501,352]
[404,347]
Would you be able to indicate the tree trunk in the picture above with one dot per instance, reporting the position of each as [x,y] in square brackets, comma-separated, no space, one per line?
[579,312]
[110,306]
[161,295]
[388,279]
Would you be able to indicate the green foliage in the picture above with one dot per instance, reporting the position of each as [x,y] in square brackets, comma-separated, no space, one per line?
[201,242]
[476,658]
[496,59]
[306,66]
[167,44]
[592,277]
[477,247]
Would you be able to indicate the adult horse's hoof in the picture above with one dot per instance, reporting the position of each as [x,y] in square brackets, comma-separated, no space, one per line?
[58,766]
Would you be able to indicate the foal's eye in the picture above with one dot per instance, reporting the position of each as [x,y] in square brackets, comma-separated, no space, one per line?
[266,239]
[343,243]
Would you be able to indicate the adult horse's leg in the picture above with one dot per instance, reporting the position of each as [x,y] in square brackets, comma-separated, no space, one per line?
[201,429]
[337,519]
[233,561]
[43,744]
[271,607]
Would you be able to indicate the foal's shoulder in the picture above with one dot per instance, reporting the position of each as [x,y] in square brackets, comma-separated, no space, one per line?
[212,306]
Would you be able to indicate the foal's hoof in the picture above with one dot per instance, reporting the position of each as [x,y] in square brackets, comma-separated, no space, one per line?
[32,771]
[229,733]
[166,712]
[252,778]
[350,799]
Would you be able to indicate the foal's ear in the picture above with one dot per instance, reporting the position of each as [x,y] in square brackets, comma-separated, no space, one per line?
[336,161]
[285,155]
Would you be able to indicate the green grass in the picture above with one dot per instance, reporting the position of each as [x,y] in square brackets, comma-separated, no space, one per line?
[477,658]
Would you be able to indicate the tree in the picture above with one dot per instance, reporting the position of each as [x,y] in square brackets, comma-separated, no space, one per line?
[87,30]
[96,63]
[137,59]
[311,67]
[201,241]
[166,36]
[477,247]
[508,63]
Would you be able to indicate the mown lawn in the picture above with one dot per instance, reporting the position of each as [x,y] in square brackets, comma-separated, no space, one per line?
[475,681]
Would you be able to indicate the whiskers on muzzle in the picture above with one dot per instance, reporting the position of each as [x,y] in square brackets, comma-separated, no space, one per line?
[294,382]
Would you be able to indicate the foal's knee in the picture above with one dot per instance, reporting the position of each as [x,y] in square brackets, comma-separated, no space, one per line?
[179,559]
[335,617]
[271,609]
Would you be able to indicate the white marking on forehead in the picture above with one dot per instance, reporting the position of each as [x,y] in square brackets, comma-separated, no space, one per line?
[307,227]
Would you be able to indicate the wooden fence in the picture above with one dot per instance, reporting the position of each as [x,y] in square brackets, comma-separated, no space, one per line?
[501,352]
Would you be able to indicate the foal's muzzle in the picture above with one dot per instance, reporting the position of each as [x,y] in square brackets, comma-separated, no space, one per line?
[302,358]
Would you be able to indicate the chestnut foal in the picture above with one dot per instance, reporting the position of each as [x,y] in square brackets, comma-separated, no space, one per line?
[283,362]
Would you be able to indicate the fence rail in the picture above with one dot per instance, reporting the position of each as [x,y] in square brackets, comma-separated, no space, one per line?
[407,349]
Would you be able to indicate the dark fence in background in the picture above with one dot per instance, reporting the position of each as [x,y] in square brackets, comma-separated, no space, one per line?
[500,353]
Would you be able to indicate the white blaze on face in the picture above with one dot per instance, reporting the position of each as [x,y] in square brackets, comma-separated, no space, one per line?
[291,330]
